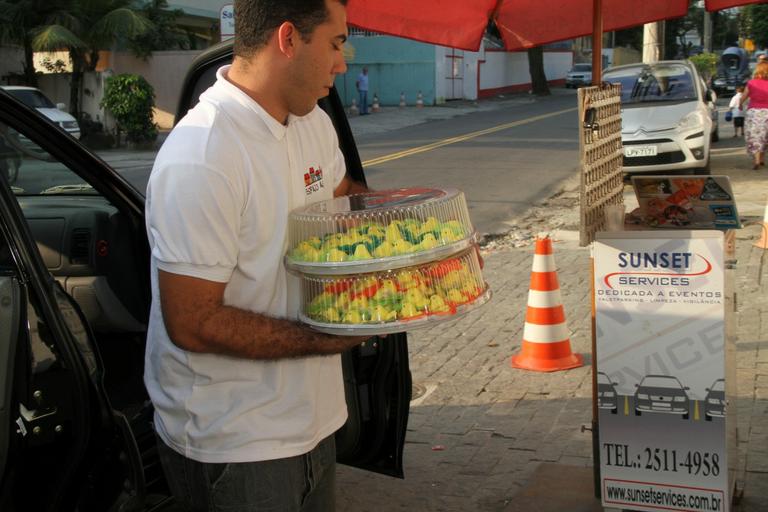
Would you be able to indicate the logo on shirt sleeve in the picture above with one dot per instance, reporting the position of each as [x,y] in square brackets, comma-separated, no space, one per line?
[313,180]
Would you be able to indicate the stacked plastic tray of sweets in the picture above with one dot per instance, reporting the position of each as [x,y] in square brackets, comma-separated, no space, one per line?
[385,261]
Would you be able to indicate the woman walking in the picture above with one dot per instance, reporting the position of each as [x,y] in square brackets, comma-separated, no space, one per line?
[756,91]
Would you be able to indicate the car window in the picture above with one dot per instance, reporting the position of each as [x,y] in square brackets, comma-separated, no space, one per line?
[31,98]
[582,67]
[31,171]
[654,84]
[660,382]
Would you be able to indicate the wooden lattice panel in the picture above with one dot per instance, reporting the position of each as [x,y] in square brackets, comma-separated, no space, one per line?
[601,153]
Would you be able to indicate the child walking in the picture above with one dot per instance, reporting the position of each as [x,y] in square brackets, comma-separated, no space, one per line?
[736,112]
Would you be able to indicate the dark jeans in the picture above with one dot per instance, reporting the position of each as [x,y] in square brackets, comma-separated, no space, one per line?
[363,102]
[305,483]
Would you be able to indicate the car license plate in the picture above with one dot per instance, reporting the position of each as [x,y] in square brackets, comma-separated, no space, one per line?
[634,151]
[731,87]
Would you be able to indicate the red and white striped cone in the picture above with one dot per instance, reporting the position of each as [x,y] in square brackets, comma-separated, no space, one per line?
[546,345]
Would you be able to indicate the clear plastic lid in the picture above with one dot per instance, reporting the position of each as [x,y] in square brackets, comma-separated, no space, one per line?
[378,230]
[394,300]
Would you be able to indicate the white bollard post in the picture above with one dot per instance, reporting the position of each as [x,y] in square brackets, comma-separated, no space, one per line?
[375,105]
[419,100]
[402,99]
[353,110]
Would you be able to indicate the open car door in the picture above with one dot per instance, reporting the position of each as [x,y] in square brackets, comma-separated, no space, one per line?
[377,375]
[75,420]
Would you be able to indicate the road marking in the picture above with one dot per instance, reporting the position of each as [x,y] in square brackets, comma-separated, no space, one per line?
[462,138]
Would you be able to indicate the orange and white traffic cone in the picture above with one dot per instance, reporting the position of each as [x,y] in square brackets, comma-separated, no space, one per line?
[546,346]
[763,242]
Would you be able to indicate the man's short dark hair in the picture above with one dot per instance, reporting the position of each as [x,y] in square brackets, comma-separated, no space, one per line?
[256,20]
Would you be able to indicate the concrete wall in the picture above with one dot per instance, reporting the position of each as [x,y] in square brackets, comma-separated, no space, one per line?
[11,63]
[626,56]
[165,71]
[501,71]
[394,65]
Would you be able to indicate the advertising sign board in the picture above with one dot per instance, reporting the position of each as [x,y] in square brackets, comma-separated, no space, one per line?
[227,21]
[660,330]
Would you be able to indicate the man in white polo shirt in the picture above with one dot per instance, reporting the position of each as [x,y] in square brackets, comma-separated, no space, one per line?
[246,399]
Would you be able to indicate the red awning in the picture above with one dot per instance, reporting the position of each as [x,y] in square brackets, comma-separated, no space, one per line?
[522,23]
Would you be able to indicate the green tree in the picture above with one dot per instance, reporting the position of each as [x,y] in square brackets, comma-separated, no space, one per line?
[753,20]
[676,29]
[165,34]
[19,19]
[83,28]
[706,63]
[130,99]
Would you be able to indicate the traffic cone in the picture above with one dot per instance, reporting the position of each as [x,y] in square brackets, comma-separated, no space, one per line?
[375,105]
[763,242]
[419,100]
[546,346]
[353,110]
[402,99]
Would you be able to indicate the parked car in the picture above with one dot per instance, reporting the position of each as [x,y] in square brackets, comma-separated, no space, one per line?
[662,394]
[714,402]
[669,117]
[34,98]
[580,74]
[75,419]
[606,393]
[733,70]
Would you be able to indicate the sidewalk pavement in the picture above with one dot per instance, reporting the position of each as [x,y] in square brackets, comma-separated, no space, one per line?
[483,436]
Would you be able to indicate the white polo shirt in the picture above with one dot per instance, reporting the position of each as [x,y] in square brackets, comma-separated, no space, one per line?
[217,208]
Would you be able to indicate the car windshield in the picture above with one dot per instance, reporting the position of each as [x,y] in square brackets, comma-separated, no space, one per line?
[719,385]
[31,98]
[653,84]
[582,67]
[660,382]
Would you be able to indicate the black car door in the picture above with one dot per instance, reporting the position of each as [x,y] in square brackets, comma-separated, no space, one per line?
[75,431]
[377,376]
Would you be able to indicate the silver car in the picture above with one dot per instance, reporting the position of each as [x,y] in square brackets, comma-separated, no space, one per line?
[668,117]
[580,74]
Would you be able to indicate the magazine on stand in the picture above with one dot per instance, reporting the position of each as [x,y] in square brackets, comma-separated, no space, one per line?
[685,202]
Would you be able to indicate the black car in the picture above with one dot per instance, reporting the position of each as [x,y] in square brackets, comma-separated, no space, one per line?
[732,71]
[606,393]
[662,394]
[714,402]
[76,431]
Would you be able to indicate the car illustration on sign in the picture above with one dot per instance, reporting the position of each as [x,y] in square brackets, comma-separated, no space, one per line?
[606,393]
[714,402]
[663,394]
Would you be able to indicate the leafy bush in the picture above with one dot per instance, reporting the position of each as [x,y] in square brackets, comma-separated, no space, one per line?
[130,99]
[706,64]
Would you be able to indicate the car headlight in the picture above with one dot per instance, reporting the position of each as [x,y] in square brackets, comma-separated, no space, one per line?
[719,82]
[690,121]
[679,399]
[642,396]
[69,125]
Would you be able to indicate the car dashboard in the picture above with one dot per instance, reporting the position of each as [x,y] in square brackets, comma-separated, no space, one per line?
[87,246]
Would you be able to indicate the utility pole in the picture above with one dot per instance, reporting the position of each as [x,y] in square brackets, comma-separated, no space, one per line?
[653,42]
[707,42]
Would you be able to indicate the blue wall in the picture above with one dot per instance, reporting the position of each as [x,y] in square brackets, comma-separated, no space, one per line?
[394,65]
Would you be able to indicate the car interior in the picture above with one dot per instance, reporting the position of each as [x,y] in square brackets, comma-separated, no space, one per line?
[91,249]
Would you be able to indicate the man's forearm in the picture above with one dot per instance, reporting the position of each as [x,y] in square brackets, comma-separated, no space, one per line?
[240,333]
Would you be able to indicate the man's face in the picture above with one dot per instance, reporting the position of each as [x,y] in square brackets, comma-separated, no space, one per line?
[318,61]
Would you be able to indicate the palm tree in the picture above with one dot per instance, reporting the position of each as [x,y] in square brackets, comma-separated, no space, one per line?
[17,20]
[83,27]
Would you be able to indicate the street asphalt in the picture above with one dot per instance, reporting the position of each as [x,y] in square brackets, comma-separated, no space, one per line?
[483,436]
